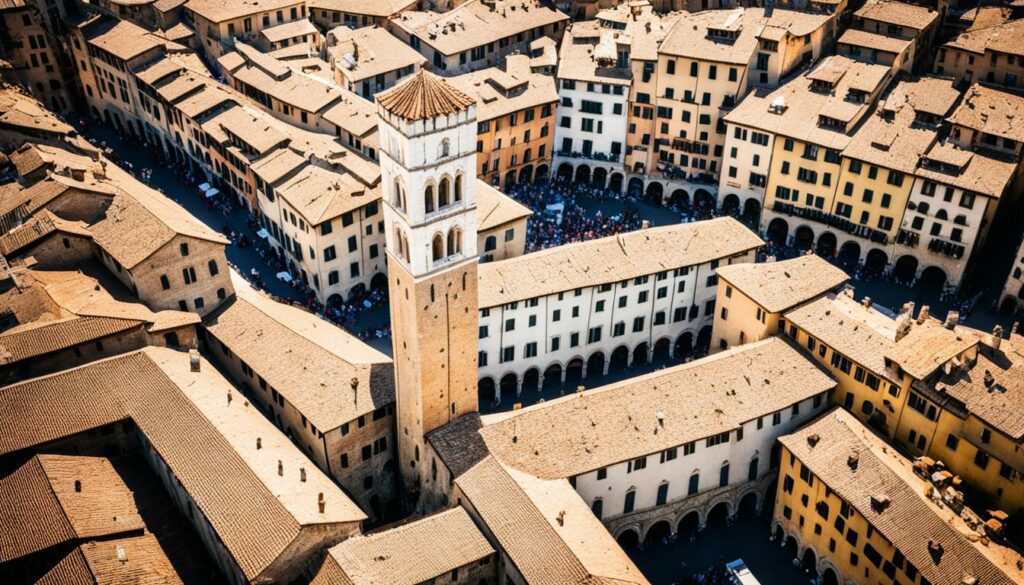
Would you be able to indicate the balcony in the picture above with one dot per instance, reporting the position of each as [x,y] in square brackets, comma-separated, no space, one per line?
[599,156]
[950,249]
[836,221]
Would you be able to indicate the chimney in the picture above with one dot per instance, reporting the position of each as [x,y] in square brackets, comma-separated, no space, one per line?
[989,379]
[994,339]
[193,359]
[645,224]
[923,315]
[280,467]
[866,301]
[908,308]
[320,502]
[561,518]
[259,443]
[302,474]
[853,460]
[229,397]
[812,440]
[935,549]
[952,318]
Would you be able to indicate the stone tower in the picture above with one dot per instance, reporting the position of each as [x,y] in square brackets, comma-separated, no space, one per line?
[427,133]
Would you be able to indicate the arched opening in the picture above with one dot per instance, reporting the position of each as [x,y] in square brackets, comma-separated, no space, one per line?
[399,245]
[509,385]
[599,178]
[454,241]
[565,172]
[510,180]
[827,245]
[582,174]
[933,278]
[748,506]
[658,533]
[542,174]
[829,578]
[379,281]
[704,340]
[778,231]
[443,193]
[458,188]
[397,199]
[849,254]
[357,292]
[752,212]
[531,380]
[654,193]
[635,188]
[809,561]
[486,390]
[803,238]
[905,269]
[703,199]
[619,360]
[428,199]
[525,174]
[615,182]
[731,204]
[438,248]
[791,547]
[595,364]
[640,354]
[875,261]
[574,372]
[680,198]
[628,539]
[718,516]
[689,525]
[335,300]
[445,148]
[684,345]
[662,350]
[553,376]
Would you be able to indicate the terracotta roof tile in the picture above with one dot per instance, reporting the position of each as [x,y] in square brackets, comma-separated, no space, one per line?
[424,95]
[780,286]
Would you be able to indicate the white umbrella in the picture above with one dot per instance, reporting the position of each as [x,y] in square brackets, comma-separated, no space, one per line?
[263,234]
[204,187]
[284,276]
[212,192]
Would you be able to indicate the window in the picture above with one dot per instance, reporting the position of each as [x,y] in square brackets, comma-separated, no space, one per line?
[662,495]
[694,483]
[630,501]
[952,442]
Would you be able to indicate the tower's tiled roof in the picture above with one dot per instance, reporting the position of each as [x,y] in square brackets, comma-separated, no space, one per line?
[424,95]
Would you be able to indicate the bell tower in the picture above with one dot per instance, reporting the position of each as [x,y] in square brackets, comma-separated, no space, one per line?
[427,133]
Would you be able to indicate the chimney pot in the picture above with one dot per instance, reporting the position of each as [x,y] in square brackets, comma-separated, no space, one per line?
[923,314]
[989,379]
[302,474]
[645,224]
[812,440]
[280,467]
[952,318]
[321,504]
[193,360]
[259,443]
[853,460]
[866,302]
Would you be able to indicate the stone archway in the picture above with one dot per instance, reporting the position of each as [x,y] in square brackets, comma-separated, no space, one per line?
[619,360]
[658,531]
[718,515]
[703,199]
[778,231]
[826,245]
[379,281]
[704,340]
[635,188]
[752,211]
[680,198]
[541,175]
[689,524]
[509,386]
[640,354]
[565,172]
[510,180]
[849,254]
[574,372]
[662,350]
[829,577]
[582,174]
[628,539]
[599,178]
[615,182]
[486,391]
[595,364]
[684,345]
[748,505]
[731,204]
[803,238]
[933,278]
[525,174]
[531,380]
[553,376]
[655,193]
[809,560]
[905,269]
[876,261]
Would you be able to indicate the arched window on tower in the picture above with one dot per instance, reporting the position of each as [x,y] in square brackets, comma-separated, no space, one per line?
[399,243]
[443,193]
[399,196]
[438,247]
[454,241]
[445,148]
[428,199]
[458,188]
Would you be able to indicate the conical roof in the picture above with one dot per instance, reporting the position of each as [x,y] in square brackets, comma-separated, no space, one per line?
[424,95]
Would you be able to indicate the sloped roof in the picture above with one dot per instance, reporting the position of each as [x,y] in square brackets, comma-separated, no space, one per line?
[1000,404]
[910,521]
[424,95]
[778,286]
